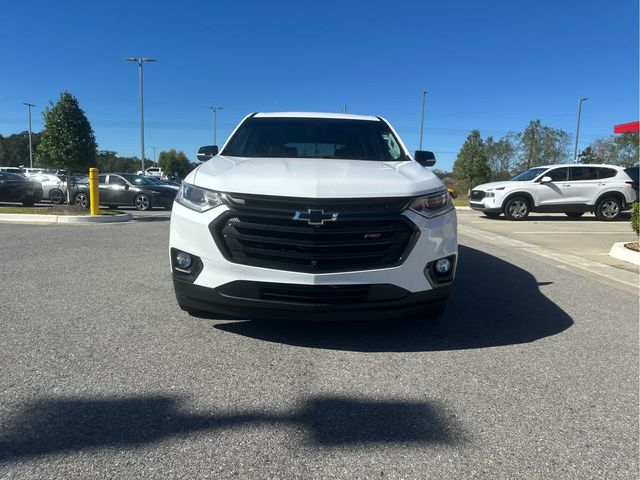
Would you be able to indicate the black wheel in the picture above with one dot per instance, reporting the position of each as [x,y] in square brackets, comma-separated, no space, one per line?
[491,214]
[142,202]
[81,199]
[574,214]
[56,196]
[608,209]
[517,208]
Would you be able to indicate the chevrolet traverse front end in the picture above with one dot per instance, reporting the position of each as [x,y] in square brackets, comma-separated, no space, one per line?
[313,216]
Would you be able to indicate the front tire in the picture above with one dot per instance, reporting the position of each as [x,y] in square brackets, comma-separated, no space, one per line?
[608,209]
[56,196]
[574,214]
[81,199]
[142,202]
[517,208]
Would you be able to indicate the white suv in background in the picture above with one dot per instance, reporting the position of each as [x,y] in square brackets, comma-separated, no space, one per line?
[313,216]
[605,190]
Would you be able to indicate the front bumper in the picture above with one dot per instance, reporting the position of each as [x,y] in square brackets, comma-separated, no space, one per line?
[481,207]
[259,300]
[209,289]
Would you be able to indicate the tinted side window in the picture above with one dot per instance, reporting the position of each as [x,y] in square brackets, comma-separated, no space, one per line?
[584,173]
[633,172]
[558,174]
[607,172]
[113,180]
[102,179]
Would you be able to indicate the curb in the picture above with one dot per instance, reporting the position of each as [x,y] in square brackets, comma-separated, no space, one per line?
[620,252]
[77,219]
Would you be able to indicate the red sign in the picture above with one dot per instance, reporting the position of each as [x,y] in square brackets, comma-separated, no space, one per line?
[627,127]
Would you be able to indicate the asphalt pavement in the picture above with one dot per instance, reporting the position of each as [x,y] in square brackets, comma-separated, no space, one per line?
[532,372]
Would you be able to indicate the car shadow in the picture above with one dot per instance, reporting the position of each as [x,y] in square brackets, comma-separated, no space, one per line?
[494,303]
[53,425]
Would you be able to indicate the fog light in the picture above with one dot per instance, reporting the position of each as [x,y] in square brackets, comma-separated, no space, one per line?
[183,260]
[443,266]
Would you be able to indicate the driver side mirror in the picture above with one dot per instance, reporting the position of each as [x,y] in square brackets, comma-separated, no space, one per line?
[126,186]
[424,158]
[546,179]
[207,152]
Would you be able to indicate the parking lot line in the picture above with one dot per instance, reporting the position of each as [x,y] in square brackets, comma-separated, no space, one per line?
[612,276]
[549,232]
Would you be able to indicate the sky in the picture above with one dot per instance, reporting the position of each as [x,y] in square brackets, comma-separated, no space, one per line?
[487,65]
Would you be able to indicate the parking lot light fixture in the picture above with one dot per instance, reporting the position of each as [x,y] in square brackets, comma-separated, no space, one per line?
[29,105]
[575,150]
[215,109]
[140,61]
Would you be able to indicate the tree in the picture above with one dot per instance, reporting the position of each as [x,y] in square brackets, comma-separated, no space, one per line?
[541,145]
[472,163]
[174,163]
[502,155]
[109,161]
[14,149]
[67,140]
[620,150]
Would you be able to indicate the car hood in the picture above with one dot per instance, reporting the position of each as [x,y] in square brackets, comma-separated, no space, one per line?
[314,178]
[490,185]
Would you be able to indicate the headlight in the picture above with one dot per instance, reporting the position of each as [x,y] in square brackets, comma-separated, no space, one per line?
[432,205]
[490,194]
[197,198]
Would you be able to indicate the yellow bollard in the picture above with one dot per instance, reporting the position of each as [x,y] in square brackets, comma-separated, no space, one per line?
[94,195]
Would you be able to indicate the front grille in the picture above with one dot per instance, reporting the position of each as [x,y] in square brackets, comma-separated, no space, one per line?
[477,195]
[312,294]
[261,231]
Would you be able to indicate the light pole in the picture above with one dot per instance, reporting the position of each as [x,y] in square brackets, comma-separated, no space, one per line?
[154,156]
[215,109]
[575,150]
[424,94]
[140,61]
[29,105]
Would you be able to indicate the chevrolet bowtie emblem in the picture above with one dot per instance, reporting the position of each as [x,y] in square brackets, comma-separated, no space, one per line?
[315,217]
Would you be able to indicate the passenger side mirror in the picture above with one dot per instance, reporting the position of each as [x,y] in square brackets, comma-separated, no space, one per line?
[424,158]
[207,152]
[126,187]
[546,179]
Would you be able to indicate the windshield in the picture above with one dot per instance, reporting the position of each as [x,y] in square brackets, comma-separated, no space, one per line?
[138,179]
[529,174]
[315,138]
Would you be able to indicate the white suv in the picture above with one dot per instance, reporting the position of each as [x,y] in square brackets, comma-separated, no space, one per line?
[605,190]
[313,216]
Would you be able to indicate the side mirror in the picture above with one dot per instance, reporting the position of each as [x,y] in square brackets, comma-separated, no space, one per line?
[424,158]
[207,152]
[546,179]
[126,187]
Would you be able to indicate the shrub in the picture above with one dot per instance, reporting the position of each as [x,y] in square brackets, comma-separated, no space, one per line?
[635,218]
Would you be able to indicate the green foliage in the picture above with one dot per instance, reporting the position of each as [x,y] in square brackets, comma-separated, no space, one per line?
[541,145]
[502,155]
[14,149]
[67,140]
[472,163]
[174,163]
[622,150]
[635,218]
[108,161]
